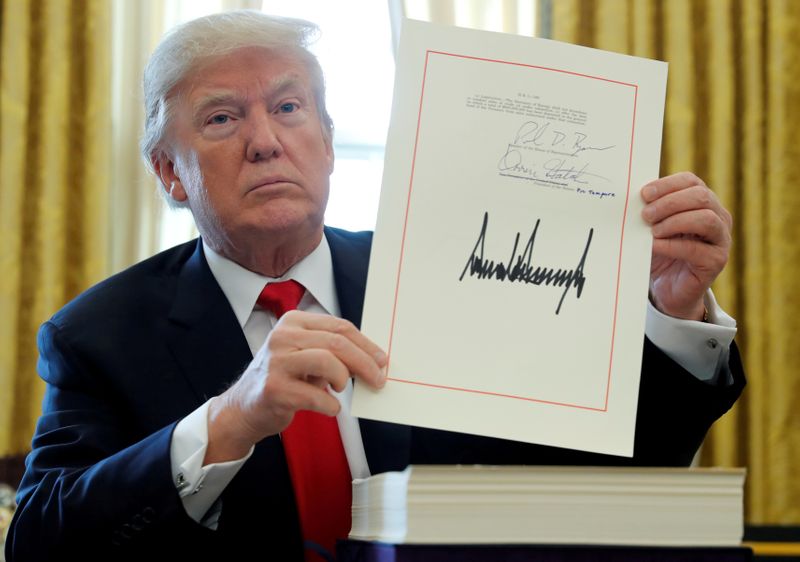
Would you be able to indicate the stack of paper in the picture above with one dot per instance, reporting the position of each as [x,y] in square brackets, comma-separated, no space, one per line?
[555,505]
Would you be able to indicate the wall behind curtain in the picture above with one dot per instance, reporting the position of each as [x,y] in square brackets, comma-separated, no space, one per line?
[733,106]
[54,175]
[508,16]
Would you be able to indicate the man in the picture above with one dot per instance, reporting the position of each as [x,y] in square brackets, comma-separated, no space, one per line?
[173,388]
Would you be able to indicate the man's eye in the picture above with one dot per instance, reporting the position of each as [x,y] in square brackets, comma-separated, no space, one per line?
[288,107]
[220,119]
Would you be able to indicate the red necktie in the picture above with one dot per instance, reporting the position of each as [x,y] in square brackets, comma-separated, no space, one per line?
[315,455]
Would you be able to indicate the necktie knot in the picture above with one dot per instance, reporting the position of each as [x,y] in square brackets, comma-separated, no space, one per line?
[281,297]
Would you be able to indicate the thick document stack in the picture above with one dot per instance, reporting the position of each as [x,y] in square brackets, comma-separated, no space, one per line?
[551,505]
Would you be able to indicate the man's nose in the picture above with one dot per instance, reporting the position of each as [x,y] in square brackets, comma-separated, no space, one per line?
[262,139]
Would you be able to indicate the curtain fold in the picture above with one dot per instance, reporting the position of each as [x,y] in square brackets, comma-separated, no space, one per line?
[733,106]
[54,172]
[136,210]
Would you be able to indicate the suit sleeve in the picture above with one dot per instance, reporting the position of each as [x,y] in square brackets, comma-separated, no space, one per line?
[676,409]
[91,489]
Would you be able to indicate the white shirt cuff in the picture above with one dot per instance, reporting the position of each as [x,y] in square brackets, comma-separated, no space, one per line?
[699,347]
[199,486]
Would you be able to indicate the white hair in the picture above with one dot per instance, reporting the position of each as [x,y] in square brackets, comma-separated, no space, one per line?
[188,45]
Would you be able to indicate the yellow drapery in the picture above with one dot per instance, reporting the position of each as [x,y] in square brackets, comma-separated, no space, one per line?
[733,109]
[54,175]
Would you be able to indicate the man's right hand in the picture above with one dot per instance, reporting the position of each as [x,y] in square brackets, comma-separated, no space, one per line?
[304,354]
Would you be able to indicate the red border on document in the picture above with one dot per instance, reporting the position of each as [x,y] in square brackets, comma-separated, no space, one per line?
[428,53]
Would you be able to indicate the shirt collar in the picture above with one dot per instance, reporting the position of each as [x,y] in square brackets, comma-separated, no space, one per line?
[242,286]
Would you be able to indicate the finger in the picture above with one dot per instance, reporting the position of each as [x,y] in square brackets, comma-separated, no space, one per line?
[362,358]
[298,395]
[670,184]
[695,197]
[316,367]
[704,224]
[325,323]
[701,256]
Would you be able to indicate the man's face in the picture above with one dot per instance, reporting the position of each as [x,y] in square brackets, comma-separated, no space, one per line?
[248,151]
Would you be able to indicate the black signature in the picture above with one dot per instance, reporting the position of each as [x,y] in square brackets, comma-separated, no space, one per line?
[512,162]
[519,268]
[541,135]
[557,169]
[578,146]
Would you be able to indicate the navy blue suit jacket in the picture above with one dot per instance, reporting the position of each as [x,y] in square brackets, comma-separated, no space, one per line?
[133,355]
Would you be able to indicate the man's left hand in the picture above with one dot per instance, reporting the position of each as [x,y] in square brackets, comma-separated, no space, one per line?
[692,239]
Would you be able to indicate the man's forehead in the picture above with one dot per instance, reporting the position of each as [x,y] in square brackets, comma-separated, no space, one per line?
[221,90]
[230,75]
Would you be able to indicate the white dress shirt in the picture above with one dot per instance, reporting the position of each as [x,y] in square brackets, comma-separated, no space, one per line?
[701,348]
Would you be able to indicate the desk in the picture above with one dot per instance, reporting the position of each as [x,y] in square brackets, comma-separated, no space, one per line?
[360,551]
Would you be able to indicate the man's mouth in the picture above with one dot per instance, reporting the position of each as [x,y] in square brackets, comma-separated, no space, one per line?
[268,182]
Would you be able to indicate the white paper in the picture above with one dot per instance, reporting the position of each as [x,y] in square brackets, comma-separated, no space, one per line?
[492,134]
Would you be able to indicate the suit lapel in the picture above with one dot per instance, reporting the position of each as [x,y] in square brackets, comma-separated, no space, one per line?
[387,445]
[350,257]
[203,334]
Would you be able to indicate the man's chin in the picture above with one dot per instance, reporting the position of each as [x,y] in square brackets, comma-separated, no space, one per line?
[288,225]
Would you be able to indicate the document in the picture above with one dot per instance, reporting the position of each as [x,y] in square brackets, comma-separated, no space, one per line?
[509,271]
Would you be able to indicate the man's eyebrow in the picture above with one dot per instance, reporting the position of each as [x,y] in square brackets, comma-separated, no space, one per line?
[281,84]
[212,99]
[277,87]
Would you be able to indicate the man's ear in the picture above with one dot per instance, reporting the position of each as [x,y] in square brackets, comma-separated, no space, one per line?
[170,180]
[329,154]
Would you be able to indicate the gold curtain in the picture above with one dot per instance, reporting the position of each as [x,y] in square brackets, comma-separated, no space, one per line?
[732,115]
[54,175]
